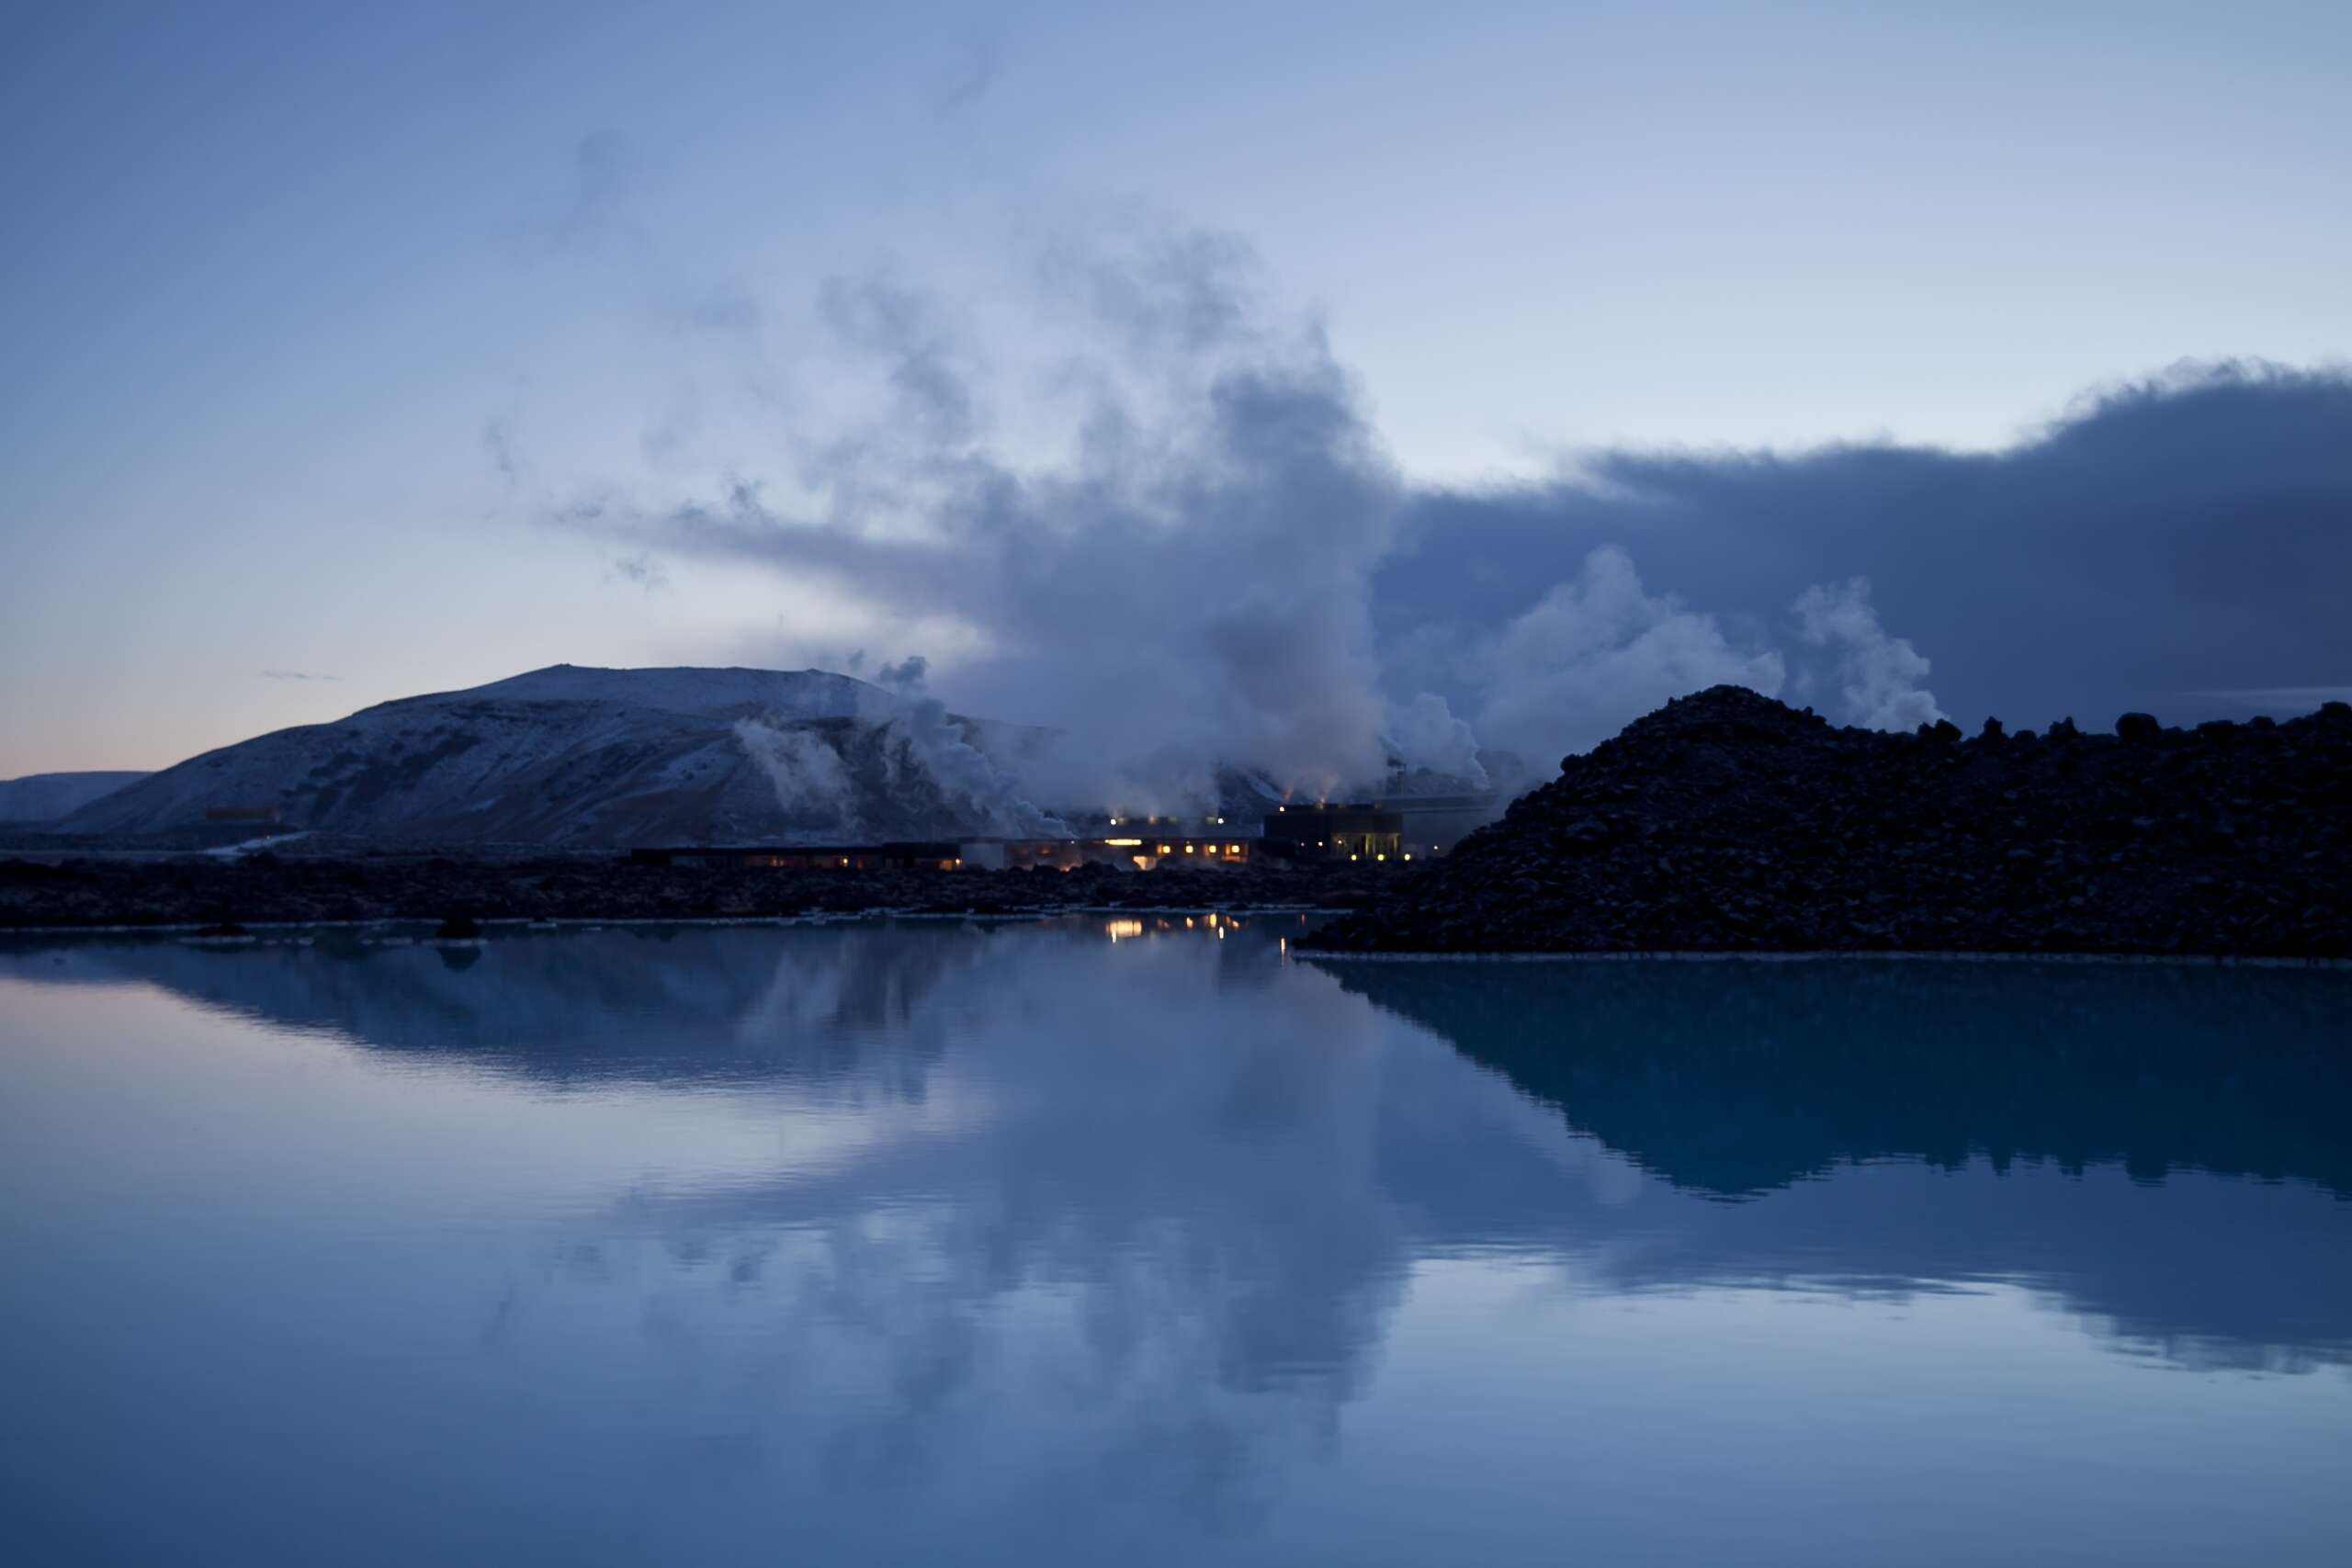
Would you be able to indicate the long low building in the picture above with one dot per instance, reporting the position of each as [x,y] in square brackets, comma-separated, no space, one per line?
[903,856]
[1144,848]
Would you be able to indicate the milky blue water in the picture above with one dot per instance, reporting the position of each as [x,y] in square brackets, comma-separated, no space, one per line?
[1096,1241]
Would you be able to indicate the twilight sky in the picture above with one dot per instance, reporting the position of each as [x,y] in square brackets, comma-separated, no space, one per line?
[1554,356]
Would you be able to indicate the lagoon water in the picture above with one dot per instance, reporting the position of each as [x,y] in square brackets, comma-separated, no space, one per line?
[1110,1240]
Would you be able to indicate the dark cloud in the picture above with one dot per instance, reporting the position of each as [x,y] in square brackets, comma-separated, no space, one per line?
[644,570]
[2181,545]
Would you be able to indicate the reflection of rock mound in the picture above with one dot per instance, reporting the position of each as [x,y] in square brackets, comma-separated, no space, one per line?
[1729,821]
[1243,1161]
[573,756]
[1733,1078]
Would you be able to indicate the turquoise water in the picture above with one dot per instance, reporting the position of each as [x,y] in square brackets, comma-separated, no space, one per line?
[1107,1240]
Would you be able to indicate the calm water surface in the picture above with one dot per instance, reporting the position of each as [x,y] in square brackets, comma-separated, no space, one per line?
[929,1243]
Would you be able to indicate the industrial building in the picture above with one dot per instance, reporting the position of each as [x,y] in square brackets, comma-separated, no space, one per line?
[1335,833]
[1143,843]
[806,857]
[1354,832]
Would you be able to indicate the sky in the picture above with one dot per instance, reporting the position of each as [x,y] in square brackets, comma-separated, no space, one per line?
[1452,376]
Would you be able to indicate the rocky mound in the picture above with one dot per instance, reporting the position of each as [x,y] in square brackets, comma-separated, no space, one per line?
[1727,821]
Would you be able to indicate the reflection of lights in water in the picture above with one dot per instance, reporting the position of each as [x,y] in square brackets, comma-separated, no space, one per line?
[1117,928]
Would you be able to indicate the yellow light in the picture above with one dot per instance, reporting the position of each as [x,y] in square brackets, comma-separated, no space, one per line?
[1188,849]
[1355,857]
[1409,857]
[1379,857]
[1233,849]
[1125,843]
[1163,849]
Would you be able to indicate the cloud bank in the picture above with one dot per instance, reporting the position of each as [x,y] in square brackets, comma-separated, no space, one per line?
[2180,546]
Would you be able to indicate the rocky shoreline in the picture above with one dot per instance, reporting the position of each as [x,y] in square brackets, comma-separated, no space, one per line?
[1729,823]
[264,889]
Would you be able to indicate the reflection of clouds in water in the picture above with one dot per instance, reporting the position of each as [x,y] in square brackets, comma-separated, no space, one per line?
[1162,1243]
[1056,1226]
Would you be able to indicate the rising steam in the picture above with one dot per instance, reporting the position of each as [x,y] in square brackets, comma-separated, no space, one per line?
[1186,590]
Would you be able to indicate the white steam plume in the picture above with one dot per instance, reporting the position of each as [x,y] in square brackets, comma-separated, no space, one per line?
[1595,653]
[1879,676]
[1182,583]
[806,773]
[973,786]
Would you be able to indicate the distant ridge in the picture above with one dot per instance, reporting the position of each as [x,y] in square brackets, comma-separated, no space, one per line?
[1729,822]
[44,797]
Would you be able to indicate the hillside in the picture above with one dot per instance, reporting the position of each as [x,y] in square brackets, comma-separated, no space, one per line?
[45,798]
[1727,822]
[579,757]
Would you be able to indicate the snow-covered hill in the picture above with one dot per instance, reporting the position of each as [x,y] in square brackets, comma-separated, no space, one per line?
[44,797]
[573,756]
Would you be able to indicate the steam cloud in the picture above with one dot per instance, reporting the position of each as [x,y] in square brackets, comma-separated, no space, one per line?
[806,772]
[1218,566]
[1878,675]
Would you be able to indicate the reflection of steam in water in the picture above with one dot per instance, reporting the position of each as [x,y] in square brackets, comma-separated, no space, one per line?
[1156,1249]
[1128,1210]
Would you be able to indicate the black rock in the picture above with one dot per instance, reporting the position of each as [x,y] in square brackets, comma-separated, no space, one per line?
[1727,822]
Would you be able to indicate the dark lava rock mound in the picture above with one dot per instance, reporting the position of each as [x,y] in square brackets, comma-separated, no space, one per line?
[1727,822]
